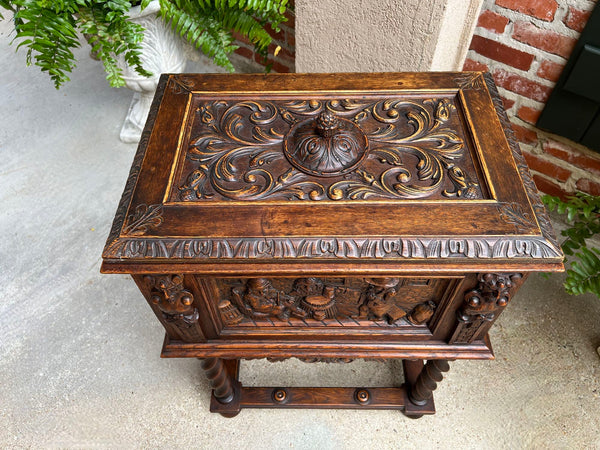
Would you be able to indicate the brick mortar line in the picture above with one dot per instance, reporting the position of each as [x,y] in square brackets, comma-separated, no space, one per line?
[515,16]
[507,39]
[493,64]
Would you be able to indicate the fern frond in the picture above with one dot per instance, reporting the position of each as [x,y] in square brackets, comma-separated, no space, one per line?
[203,32]
[6,4]
[49,37]
[110,34]
[47,29]
[246,25]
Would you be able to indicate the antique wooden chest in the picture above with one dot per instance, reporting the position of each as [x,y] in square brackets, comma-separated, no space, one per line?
[329,217]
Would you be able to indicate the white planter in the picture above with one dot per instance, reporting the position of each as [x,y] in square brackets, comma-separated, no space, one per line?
[162,52]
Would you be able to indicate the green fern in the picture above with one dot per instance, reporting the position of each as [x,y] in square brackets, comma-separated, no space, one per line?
[48,30]
[583,214]
[208,24]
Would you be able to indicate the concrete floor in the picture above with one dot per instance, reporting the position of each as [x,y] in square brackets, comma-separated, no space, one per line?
[79,351]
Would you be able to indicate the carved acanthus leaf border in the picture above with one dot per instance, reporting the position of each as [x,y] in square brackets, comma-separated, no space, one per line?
[331,248]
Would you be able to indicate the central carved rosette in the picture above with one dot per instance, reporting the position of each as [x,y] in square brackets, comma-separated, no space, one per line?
[325,146]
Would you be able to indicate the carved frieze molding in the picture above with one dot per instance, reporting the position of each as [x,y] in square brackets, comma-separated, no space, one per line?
[495,247]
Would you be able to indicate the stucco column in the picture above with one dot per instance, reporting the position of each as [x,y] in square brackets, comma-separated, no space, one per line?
[383,35]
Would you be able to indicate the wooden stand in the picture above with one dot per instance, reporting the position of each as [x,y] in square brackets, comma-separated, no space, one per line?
[414,397]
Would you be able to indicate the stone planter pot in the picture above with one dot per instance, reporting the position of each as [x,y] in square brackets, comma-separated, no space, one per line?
[162,52]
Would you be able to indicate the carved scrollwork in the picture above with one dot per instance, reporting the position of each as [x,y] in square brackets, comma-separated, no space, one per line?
[483,304]
[386,149]
[318,299]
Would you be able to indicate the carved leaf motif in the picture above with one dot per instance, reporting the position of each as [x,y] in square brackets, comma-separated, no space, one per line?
[362,248]
[144,217]
[513,213]
[181,84]
[470,81]
[464,188]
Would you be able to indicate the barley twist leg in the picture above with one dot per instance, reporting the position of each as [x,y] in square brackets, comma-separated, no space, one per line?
[427,381]
[219,379]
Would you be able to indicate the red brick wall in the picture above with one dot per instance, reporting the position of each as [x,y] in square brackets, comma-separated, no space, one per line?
[284,61]
[525,45]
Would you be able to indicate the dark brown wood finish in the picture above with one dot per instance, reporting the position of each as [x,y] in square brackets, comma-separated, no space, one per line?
[330,216]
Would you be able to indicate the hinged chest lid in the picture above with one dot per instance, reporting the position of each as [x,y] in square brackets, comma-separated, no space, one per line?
[366,173]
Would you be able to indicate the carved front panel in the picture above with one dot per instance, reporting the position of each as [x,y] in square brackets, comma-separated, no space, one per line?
[329,302]
[362,148]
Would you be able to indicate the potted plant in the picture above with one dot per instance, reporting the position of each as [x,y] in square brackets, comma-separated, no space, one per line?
[116,31]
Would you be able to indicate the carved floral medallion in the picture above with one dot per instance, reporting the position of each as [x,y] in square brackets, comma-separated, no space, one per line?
[326,146]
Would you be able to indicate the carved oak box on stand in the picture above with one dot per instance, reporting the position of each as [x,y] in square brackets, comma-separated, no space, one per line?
[329,217]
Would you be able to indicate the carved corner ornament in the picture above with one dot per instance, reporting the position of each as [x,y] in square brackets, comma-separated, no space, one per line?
[175,303]
[483,304]
[144,218]
[181,84]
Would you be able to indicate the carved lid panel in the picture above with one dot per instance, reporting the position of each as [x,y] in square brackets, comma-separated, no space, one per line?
[364,147]
[360,170]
